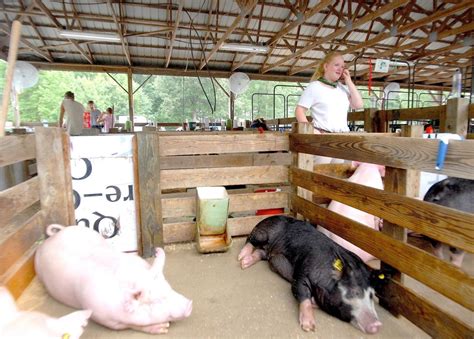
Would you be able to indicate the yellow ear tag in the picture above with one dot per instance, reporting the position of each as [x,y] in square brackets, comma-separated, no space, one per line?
[381,276]
[337,264]
[66,336]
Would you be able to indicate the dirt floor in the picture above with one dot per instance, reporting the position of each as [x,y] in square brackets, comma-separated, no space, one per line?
[232,303]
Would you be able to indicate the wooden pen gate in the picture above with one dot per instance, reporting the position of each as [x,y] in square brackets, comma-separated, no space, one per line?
[173,162]
[402,156]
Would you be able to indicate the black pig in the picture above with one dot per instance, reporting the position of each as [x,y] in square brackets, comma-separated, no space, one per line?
[455,193]
[318,269]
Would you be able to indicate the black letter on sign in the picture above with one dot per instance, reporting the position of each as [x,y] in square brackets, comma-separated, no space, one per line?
[77,199]
[88,169]
[130,193]
[107,229]
[116,196]
[83,220]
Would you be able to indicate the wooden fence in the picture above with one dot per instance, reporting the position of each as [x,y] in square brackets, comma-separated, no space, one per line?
[30,205]
[172,165]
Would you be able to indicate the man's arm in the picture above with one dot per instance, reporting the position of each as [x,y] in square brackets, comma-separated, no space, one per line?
[61,115]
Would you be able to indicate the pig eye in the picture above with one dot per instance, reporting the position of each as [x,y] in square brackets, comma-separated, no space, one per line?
[137,295]
[371,295]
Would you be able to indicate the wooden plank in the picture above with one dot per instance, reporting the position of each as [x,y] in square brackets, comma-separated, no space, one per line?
[356,116]
[186,206]
[19,276]
[186,231]
[16,148]
[150,193]
[225,160]
[302,160]
[423,113]
[442,223]
[184,178]
[424,314]
[54,172]
[15,199]
[441,276]
[407,153]
[19,239]
[455,118]
[187,144]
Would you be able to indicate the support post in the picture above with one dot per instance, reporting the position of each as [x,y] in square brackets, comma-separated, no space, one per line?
[12,53]
[54,173]
[301,160]
[130,97]
[151,216]
[403,182]
[456,118]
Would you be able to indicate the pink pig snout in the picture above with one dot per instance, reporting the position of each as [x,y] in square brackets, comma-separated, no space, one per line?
[180,308]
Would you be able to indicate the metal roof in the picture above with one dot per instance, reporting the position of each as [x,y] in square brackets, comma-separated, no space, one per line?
[184,36]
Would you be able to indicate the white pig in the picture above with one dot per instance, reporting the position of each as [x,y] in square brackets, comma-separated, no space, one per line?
[368,175]
[80,269]
[21,324]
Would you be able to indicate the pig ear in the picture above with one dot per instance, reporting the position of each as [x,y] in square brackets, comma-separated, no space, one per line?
[7,303]
[73,323]
[379,278]
[159,262]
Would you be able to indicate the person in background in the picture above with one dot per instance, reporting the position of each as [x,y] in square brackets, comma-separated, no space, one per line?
[328,99]
[95,114]
[107,118]
[73,111]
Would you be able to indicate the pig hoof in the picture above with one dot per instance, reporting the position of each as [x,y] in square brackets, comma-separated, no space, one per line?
[155,329]
[245,251]
[246,262]
[307,322]
[311,326]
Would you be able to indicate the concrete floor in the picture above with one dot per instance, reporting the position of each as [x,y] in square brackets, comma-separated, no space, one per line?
[230,303]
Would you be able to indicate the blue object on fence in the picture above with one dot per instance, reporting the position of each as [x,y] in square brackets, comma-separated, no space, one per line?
[443,148]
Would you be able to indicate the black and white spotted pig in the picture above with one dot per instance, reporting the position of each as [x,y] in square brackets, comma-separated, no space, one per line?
[454,193]
[319,270]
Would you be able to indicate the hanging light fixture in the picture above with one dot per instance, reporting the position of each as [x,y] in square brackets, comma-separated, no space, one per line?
[80,35]
[244,48]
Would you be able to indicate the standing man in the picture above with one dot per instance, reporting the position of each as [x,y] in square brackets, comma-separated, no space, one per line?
[74,113]
[95,113]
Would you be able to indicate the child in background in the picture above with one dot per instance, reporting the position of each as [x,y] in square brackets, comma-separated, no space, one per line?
[107,118]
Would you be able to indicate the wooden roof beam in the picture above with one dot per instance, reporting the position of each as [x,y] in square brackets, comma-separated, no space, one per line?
[58,25]
[173,36]
[411,26]
[441,35]
[382,10]
[76,17]
[5,29]
[308,14]
[243,13]
[119,31]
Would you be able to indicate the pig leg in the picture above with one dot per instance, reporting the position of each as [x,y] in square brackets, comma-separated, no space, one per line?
[281,265]
[302,293]
[153,329]
[248,259]
[456,256]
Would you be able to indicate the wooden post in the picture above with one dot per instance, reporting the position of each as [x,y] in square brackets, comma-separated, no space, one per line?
[232,106]
[404,182]
[456,118]
[151,216]
[369,114]
[54,173]
[130,97]
[301,160]
[12,52]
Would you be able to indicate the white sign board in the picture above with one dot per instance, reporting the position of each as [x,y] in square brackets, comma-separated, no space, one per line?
[103,182]
[382,65]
